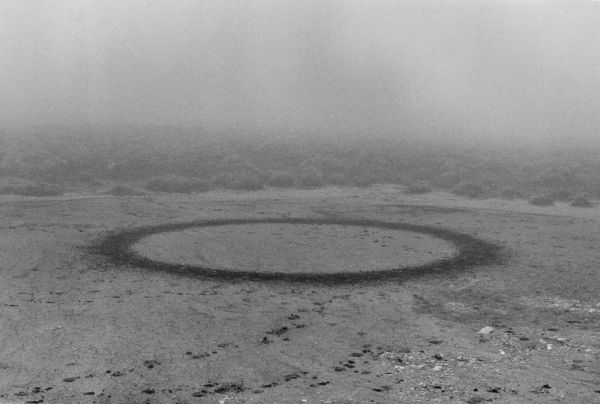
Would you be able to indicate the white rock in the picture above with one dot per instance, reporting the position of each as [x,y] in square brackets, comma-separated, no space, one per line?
[486,330]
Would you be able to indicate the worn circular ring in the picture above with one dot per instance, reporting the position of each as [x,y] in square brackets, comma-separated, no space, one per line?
[471,252]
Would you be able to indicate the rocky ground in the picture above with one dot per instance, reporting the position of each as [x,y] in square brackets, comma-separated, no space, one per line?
[75,327]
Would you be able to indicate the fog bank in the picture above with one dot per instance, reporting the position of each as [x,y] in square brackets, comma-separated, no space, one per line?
[493,71]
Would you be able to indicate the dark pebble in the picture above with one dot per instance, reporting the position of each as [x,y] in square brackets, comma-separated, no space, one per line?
[292,376]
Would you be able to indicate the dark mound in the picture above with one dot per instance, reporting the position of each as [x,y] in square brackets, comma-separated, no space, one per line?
[581,202]
[122,190]
[542,201]
[471,252]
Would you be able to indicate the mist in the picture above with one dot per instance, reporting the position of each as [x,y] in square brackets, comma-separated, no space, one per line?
[466,70]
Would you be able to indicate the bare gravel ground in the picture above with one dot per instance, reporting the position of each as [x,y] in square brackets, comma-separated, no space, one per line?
[76,328]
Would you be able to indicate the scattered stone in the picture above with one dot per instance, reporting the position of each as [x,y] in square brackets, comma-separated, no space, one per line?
[70,379]
[230,387]
[541,390]
[292,376]
[278,331]
[438,356]
[151,363]
[149,391]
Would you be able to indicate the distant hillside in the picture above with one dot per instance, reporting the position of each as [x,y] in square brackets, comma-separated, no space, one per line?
[173,159]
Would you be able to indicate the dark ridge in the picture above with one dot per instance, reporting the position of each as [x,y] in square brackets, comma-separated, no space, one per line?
[471,252]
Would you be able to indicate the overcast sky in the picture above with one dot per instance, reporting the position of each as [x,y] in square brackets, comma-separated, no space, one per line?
[485,69]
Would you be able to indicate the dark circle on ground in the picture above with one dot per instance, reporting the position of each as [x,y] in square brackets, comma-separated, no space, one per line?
[471,252]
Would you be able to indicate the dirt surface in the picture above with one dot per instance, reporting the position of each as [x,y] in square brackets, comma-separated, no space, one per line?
[77,328]
[287,247]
